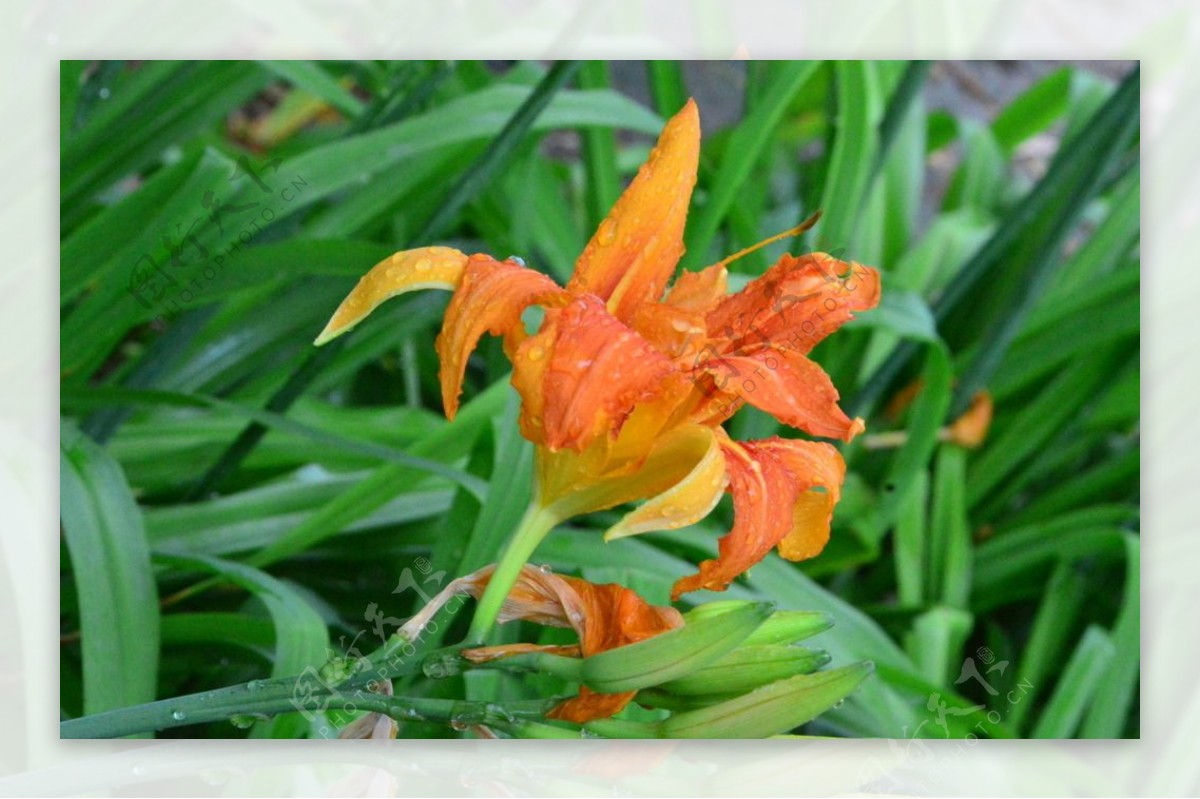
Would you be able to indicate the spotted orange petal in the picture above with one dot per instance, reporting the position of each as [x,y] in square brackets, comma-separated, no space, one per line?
[817,470]
[763,493]
[637,247]
[676,332]
[490,298]
[408,270]
[583,373]
[794,304]
[787,385]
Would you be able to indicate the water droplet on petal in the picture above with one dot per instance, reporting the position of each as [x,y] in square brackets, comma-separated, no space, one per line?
[516,259]
[545,569]
[536,353]
[607,233]
[423,265]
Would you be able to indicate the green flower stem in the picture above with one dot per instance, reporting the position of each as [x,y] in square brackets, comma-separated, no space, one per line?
[288,695]
[537,730]
[534,526]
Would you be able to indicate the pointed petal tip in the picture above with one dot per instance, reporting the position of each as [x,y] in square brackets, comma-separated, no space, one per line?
[327,335]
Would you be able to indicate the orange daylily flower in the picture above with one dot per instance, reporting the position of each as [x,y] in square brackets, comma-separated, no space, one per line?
[603,616]
[624,387]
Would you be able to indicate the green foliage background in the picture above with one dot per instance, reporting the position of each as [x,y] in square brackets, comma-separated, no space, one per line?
[238,505]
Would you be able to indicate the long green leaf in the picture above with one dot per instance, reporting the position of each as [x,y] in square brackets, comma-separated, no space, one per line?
[118,602]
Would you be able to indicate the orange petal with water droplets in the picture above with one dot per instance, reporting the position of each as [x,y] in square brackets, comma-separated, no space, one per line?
[590,370]
[490,298]
[637,247]
[408,270]
[818,471]
[676,332]
[686,502]
[789,386]
[763,493]
[794,304]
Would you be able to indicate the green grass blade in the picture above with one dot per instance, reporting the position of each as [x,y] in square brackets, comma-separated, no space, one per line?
[301,639]
[118,602]
[950,549]
[499,150]
[311,77]
[603,181]
[853,157]
[744,149]
[1117,689]
[1053,628]
[1078,687]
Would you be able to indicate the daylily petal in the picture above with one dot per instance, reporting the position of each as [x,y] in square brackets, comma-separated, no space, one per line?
[818,471]
[699,291]
[599,478]
[378,726]
[590,371]
[686,502]
[763,492]
[789,386]
[676,332]
[486,654]
[408,270]
[589,706]
[796,303]
[603,616]
[490,298]
[636,248]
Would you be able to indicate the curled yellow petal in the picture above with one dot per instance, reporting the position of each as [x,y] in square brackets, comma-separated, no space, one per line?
[574,485]
[404,271]
[687,502]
